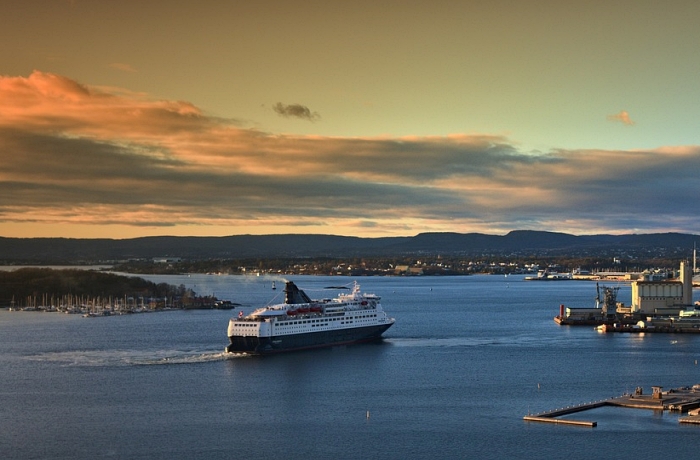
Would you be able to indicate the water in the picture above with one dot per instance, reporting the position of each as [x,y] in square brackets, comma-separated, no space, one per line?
[467,358]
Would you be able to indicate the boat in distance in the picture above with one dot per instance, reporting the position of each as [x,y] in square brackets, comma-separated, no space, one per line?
[301,323]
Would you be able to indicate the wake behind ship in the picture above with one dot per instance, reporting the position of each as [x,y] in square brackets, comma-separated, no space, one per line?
[301,323]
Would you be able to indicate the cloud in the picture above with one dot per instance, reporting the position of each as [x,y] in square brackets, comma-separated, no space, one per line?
[295,111]
[79,155]
[623,117]
[123,67]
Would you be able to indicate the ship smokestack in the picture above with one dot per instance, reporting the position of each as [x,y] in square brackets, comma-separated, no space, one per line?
[294,295]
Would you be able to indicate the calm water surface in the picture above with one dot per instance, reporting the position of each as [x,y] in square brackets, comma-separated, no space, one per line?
[467,358]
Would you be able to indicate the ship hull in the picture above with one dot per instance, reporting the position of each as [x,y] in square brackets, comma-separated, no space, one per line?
[294,342]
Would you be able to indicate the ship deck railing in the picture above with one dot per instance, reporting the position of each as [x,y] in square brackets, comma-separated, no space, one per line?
[309,315]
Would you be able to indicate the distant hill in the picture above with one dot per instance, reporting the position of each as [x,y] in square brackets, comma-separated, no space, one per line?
[523,242]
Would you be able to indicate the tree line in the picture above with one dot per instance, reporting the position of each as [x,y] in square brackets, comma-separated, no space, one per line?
[18,286]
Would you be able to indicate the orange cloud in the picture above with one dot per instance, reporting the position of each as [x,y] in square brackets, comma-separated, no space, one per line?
[623,117]
[80,155]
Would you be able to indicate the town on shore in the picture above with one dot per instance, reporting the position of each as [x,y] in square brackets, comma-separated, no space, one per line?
[583,268]
[102,292]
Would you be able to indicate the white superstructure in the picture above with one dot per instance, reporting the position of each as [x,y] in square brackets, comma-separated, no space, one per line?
[304,323]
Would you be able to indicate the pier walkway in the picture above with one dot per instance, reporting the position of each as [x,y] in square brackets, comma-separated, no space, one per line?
[682,400]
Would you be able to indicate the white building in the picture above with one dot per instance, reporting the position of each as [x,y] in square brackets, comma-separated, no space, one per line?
[663,297]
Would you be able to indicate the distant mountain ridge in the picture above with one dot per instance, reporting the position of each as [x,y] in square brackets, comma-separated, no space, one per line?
[69,250]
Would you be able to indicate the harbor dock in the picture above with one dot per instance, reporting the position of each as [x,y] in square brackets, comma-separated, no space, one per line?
[658,305]
[683,400]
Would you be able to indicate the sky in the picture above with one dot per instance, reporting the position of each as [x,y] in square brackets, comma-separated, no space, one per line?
[364,118]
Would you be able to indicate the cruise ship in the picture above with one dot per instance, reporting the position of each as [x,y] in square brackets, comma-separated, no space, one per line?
[301,323]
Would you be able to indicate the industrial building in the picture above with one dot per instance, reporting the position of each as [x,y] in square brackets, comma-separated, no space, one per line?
[667,297]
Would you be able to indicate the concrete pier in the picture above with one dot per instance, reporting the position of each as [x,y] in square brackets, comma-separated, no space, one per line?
[532,418]
[679,400]
[551,416]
